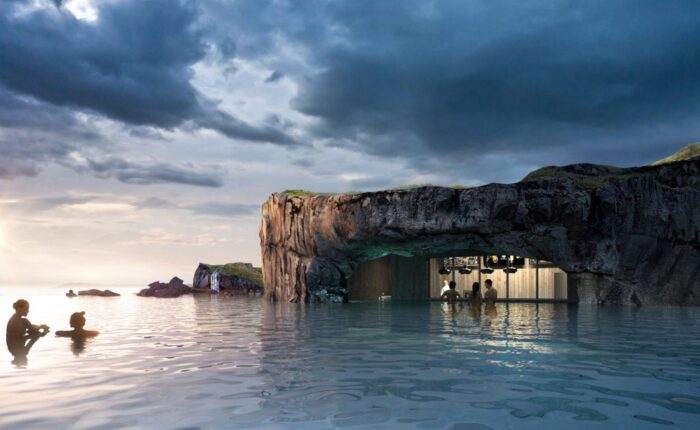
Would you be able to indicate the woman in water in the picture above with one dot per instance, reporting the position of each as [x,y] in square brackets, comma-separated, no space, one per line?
[475,296]
[21,334]
[77,321]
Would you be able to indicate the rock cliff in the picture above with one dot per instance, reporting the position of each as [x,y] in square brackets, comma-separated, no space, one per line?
[624,235]
[234,278]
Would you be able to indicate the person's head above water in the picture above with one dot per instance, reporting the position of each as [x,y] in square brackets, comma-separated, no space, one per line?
[77,320]
[489,283]
[453,285]
[21,307]
[475,287]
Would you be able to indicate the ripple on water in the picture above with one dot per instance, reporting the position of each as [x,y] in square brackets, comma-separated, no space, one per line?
[210,362]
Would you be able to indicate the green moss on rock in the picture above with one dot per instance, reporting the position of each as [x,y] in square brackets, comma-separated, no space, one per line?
[685,153]
[242,270]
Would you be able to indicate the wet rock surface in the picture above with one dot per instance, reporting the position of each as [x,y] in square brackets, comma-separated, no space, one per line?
[174,288]
[627,236]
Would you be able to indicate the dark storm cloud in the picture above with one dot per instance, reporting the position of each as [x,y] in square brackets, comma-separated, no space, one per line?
[132,65]
[446,78]
[34,134]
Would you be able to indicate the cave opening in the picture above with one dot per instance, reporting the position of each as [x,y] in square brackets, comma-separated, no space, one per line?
[423,278]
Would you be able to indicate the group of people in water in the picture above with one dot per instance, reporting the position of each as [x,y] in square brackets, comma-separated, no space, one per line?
[450,294]
[21,334]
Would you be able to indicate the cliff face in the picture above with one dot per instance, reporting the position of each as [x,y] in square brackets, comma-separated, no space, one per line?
[234,278]
[623,235]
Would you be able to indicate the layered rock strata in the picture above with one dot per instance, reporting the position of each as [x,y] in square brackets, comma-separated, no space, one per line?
[624,235]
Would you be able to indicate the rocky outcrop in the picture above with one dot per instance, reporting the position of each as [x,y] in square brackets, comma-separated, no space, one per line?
[174,288]
[233,278]
[100,293]
[623,235]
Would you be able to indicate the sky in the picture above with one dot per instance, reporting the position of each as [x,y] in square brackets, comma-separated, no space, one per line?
[140,137]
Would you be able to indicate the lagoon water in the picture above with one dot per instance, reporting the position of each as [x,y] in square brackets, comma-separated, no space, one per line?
[210,362]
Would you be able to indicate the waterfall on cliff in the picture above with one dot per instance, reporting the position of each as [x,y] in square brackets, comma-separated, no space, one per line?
[214,281]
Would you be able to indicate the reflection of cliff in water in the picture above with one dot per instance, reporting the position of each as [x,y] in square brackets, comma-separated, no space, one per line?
[381,364]
[335,361]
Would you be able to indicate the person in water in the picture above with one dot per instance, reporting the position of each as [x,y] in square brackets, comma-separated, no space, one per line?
[445,287]
[70,293]
[491,294]
[21,334]
[79,335]
[451,295]
[475,296]
[77,321]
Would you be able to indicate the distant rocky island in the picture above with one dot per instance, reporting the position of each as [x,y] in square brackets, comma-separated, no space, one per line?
[225,279]
[175,288]
[99,293]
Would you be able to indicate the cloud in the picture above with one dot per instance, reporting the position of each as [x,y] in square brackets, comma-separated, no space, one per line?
[555,81]
[206,208]
[211,208]
[33,134]
[133,64]
[274,77]
[226,210]
[142,173]
[161,236]
[42,204]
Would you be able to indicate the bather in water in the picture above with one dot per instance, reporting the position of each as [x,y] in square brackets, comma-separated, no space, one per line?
[77,321]
[21,334]
[79,335]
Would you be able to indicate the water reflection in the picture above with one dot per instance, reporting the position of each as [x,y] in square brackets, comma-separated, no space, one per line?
[379,364]
[244,363]
[20,350]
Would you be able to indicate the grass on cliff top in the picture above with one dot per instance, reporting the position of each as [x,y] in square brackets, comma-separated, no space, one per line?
[685,153]
[588,182]
[591,182]
[239,269]
[408,187]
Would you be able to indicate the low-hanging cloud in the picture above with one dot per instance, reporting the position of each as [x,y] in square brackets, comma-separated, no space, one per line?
[34,134]
[143,173]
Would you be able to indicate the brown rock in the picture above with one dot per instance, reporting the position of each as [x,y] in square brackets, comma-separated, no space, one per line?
[623,235]
[100,293]
[174,288]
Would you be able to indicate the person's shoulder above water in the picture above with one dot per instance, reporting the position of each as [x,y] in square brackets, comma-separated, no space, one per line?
[77,322]
[77,333]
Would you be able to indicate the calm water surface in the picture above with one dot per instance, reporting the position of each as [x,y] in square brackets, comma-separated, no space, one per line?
[210,362]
